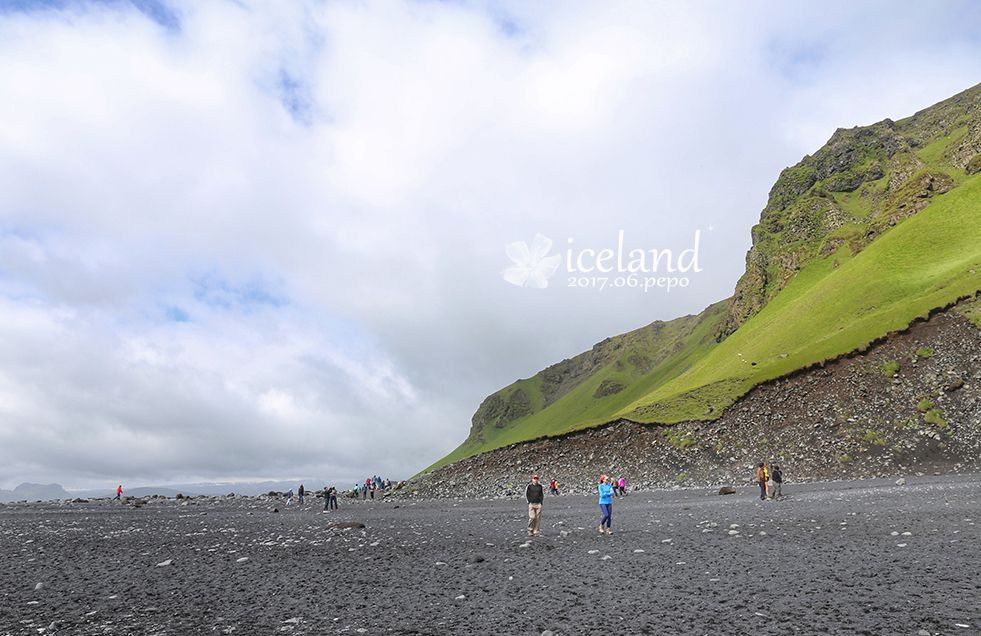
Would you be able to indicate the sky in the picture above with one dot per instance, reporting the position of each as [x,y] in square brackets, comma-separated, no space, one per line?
[248,240]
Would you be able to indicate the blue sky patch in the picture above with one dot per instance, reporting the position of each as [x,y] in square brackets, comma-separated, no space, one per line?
[156,10]
[295,97]
[176,314]
[216,291]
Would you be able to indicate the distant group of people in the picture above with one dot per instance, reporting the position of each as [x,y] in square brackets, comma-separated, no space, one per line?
[371,484]
[360,491]
[620,485]
[769,477]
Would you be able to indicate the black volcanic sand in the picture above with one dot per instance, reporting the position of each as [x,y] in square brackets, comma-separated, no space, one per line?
[866,557]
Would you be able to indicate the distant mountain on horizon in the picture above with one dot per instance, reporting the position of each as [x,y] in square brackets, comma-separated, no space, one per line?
[34,492]
[50,492]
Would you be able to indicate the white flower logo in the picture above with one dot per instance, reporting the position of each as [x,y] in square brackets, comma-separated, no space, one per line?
[532,268]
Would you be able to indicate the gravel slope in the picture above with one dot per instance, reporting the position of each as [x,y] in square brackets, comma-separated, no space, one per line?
[829,558]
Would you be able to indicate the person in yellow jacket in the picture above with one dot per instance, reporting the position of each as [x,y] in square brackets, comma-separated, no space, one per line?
[762,476]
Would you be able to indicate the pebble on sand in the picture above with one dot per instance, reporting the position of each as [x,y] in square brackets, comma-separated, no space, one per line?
[164,564]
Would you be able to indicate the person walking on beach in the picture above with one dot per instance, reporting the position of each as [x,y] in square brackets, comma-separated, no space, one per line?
[535,495]
[606,492]
[300,493]
[289,497]
[776,476]
[554,487]
[119,492]
[761,478]
[623,486]
[332,496]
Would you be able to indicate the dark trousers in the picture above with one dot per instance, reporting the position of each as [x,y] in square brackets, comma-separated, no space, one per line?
[607,515]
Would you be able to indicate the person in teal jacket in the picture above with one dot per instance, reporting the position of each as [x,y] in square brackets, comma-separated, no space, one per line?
[606,504]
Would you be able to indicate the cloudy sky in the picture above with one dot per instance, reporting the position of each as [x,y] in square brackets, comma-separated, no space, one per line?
[268,240]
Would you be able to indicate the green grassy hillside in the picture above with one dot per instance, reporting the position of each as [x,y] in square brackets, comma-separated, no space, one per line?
[592,387]
[879,227]
[927,261]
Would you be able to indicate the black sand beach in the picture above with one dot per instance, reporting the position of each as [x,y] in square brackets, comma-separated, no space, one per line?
[863,557]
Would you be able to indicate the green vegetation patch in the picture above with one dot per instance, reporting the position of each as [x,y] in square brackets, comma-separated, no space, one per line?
[889,369]
[924,405]
[935,417]
[680,439]
[924,353]
[971,308]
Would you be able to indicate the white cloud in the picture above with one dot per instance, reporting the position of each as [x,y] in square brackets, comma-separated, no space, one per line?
[264,240]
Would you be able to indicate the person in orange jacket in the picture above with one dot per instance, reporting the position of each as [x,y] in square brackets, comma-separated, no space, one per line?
[762,476]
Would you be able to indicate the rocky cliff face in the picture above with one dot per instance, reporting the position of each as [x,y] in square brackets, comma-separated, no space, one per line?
[862,181]
[910,404]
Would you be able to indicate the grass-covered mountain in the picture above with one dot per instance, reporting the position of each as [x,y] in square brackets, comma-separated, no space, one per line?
[880,226]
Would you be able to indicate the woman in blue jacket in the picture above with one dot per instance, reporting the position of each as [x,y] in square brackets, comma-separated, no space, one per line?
[606,504]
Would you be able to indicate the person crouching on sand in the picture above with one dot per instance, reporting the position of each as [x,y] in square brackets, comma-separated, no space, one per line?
[606,504]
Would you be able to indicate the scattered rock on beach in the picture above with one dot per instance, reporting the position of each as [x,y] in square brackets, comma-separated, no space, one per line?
[345,525]
[470,547]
